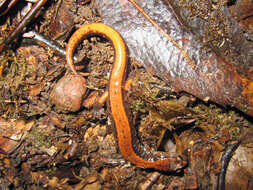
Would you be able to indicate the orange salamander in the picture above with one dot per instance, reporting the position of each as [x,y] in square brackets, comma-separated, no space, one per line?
[128,143]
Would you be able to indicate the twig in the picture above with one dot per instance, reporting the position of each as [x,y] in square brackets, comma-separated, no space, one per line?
[9,6]
[226,157]
[45,41]
[137,6]
[27,18]
[152,178]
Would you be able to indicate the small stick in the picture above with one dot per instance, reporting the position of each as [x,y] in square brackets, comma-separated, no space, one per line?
[13,2]
[27,18]
[137,6]
[46,42]
[226,157]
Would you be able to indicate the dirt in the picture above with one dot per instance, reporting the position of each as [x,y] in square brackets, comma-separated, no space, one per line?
[57,147]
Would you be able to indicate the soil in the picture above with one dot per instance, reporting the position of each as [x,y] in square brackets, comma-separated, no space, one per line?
[46,143]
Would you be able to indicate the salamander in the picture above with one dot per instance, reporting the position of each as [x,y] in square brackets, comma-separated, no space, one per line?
[128,143]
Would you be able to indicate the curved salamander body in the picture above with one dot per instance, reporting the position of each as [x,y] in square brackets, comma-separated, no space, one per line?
[127,142]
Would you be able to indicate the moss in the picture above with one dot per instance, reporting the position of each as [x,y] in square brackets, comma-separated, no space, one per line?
[39,138]
[219,119]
